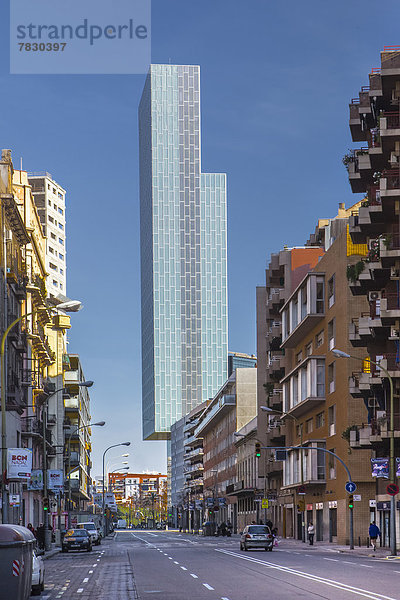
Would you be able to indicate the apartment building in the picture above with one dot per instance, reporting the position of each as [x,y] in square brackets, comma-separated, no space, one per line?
[284,272]
[319,410]
[77,435]
[49,198]
[247,488]
[374,171]
[234,405]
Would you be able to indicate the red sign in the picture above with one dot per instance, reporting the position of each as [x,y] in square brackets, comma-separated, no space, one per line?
[392,489]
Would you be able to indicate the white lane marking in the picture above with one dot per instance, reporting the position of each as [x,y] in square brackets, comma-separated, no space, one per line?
[208,586]
[184,568]
[94,565]
[90,572]
[396,571]
[193,575]
[334,559]
[79,591]
[367,566]
[348,562]
[85,580]
[153,534]
[311,577]
[169,557]
[224,598]
[176,562]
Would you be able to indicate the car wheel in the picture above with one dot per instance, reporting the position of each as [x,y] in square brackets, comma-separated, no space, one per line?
[89,549]
[36,591]
[64,550]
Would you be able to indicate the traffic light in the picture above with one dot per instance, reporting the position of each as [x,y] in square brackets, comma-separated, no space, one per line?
[45,504]
[351,501]
[301,505]
[258,450]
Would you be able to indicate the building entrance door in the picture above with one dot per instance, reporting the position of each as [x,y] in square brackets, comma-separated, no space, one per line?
[384,526]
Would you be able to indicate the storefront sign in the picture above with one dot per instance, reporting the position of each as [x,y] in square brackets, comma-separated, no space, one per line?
[19,463]
[333,504]
[221,502]
[55,479]
[309,507]
[319,506]
[36,480]
[372,503]
[357,497]
[380,467]
[14,500]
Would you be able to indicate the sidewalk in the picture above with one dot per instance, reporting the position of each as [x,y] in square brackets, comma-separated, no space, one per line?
[291,544]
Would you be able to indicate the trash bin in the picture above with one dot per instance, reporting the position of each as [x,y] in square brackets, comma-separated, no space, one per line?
[16,547]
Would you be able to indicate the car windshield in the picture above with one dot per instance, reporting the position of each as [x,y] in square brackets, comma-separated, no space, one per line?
[87,526]
[258,529]
[76,533]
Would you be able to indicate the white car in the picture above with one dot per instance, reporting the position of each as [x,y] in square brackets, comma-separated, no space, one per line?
[37,574]
[92,531]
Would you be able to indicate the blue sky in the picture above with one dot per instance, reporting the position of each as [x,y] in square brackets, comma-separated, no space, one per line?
[276,79]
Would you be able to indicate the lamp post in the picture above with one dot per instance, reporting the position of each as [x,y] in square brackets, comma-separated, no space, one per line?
[98,424]
[103,502]
[112,460]
[392,470]
[69,306]
[215,494]
[300,425]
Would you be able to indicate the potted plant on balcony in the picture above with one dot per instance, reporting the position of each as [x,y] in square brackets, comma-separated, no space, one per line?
[353,271]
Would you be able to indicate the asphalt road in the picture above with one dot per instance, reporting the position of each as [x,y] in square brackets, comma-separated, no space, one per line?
[172,566]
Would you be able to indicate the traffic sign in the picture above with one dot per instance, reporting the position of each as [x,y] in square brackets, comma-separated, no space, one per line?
[301,490]
[264,503]
[350,487]
[392,489]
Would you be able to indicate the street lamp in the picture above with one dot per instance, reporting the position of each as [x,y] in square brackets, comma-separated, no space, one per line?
[341,354]
[113,460]
[98,424]
[69,306]
[103,503]
[300,425]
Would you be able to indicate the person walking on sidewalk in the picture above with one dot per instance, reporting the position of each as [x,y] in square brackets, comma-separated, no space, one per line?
[374,532]
[311,532]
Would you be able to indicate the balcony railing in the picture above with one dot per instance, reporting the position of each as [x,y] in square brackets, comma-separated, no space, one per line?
[392,177]
[392,120]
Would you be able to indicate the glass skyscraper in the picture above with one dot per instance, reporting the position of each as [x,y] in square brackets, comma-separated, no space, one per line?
[183,253]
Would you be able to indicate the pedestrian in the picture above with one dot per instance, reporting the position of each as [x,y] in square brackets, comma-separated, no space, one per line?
[40,536]
[374,532]
[311,532]
[31,528]
[269,524]
[223,528]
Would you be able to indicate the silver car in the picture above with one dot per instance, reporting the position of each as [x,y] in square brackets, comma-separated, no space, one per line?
[256,536]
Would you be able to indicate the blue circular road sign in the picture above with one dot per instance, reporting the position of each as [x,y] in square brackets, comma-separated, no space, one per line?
[350,487]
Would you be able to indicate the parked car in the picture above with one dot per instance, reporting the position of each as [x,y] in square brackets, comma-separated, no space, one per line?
[37,574]
[256,536]
[92,531]
[77,539]
[121,524]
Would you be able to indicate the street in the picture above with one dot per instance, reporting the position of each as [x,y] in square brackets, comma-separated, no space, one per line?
[172,566]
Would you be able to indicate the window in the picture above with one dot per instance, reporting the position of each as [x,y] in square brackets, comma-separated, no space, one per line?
[48,186]
[331,334]
[309,425]
[320,378]
[332,465]
[55,206]
[53,237]
[60,195]
[298,430]
[51,250]
[320,420]
[309,349]
[61,256]
[331,291]
[60,241]
[60,210]
[61,226]
[49,202]
[320,298]
[295,307]
[54,190]
[303,375]
[55,283]
[62,271]
[332,419]
[331,377]
[299,357]
[53,266]
[61,286]
[319,339]
[51,219]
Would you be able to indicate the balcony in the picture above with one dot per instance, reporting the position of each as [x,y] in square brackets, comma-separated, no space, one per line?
[390,183]
[72,404]
[359,169]
[360,383]
[41,344]
[71,377]
[192,441]
[358,134]
[389,249]
[390,307]
[191,425]
[193,453]
[75,458]
[389,125]
[303,310]
[223,405]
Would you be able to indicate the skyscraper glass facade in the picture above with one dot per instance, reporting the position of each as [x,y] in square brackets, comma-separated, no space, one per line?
[183,253]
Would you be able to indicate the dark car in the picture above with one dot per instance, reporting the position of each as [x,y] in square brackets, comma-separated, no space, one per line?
[77,539]
[256,536]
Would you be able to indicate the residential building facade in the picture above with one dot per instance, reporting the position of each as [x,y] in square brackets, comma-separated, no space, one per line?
[183,253]
[373,170]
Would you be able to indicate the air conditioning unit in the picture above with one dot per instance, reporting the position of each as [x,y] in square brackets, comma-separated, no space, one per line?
[394,333]
[372,296]
[372,403]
